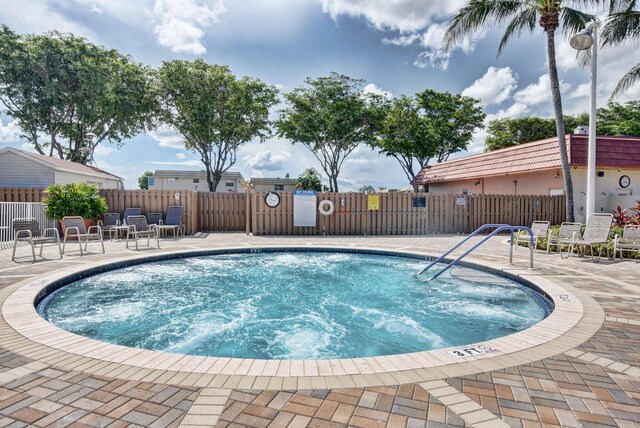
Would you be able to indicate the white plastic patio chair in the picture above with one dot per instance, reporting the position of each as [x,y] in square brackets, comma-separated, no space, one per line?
[540,230]
[629,241]
[596,232]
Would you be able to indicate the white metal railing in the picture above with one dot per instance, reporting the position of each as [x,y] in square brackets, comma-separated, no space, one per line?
[11,210]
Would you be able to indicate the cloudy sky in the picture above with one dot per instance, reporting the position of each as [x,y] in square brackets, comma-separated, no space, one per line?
[394,45]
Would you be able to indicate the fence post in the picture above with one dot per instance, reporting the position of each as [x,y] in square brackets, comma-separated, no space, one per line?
[248,214]
[193,212]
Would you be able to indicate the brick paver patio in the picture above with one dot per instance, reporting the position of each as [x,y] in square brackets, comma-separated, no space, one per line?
[595,384]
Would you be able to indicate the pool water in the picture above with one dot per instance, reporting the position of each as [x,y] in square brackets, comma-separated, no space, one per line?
[292,305]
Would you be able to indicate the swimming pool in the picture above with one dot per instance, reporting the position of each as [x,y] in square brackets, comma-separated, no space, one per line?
[292,305]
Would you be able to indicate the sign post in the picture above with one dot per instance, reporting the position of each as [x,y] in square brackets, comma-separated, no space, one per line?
[373,204]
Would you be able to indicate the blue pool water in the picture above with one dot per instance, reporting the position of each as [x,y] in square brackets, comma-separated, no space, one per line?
[292,305]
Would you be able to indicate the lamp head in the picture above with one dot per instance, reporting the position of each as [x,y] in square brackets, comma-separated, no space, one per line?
[583,40]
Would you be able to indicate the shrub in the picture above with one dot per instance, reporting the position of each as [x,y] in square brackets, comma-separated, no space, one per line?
[76,199]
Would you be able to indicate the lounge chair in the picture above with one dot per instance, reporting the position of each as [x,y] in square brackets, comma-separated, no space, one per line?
[596,232]
[28,230]
[568,230]
[173,221]
[154,219]
[629,241]
[109,223]
[123,227]
[139,228]
[75,228]
[540,230]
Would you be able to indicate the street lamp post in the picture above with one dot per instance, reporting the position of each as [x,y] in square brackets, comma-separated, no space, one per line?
[584,40]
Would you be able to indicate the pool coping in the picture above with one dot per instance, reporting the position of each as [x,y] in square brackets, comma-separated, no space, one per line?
[565,328]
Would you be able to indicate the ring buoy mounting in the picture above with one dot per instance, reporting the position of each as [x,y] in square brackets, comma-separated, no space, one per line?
[326,207]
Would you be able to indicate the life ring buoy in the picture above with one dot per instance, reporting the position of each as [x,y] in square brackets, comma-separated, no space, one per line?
[326,207]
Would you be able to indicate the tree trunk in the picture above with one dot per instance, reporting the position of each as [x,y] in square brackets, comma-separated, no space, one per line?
[215,180]
[557,110]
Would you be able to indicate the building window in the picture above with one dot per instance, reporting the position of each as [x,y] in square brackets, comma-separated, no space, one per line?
[151,181]
[278,187]
[171,180]
[196,180]
[229,184]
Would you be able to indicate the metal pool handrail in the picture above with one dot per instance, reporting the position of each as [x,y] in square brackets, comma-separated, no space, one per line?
[499,228]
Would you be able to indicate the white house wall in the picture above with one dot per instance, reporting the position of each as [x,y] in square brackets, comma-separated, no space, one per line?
[167,183]
[17,171]
[63,177]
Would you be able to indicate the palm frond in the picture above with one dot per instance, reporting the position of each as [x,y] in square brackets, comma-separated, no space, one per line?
[620,27]
[476,13]
[628,80]
[573,20]
[525,20]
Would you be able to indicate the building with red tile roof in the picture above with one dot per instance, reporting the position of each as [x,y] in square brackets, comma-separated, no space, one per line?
[535,169]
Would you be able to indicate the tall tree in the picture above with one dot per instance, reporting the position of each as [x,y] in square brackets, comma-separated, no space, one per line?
[507,132]
[215,112]
[431,125]
[330,116]
[521,16]
[76,93]
[620,119]
[309,180]
[143,180]
[623,25]
[614,119]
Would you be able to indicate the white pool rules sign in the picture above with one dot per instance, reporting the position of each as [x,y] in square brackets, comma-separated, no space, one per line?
[304,208]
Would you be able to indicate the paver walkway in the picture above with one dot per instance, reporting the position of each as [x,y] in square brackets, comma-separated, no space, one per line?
[595,384]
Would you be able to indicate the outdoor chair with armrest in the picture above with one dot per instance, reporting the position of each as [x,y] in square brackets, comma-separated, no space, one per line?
[139,228]
[629,241]
[154,219]
[123,227]
[109,223]
[173,221]
[74,227]
[596,232]
[568,230]
[540,230]
[28,230]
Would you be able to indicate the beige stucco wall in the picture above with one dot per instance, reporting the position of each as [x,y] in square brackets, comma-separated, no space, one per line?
[271,187]
[165,183]
[608,191]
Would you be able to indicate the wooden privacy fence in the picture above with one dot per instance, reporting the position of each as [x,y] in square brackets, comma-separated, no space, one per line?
[222,212]
[406,213]
[399,213]
[15,194]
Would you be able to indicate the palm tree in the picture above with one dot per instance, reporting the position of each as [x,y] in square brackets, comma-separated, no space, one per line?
[622,24]
[521,16]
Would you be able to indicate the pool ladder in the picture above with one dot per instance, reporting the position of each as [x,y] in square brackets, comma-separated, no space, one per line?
[498,228]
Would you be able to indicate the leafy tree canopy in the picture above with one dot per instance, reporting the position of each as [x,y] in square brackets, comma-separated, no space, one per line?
[310,179]
[615,119]
[214,111]
[367,189]
[143,180]
[433,125]
[73,92]
[330,116]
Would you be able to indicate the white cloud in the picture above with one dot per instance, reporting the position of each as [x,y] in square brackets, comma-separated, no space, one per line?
[435,55]
[178,163]
[266,160]
[538,92]
[167,137]
[433,59]
[9,133]
[403,40]
[38,16]
[372,88]
[180,156]
[515,110]
[494,87]
[401,15]
[96,9]
[181,23]
[102,150]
